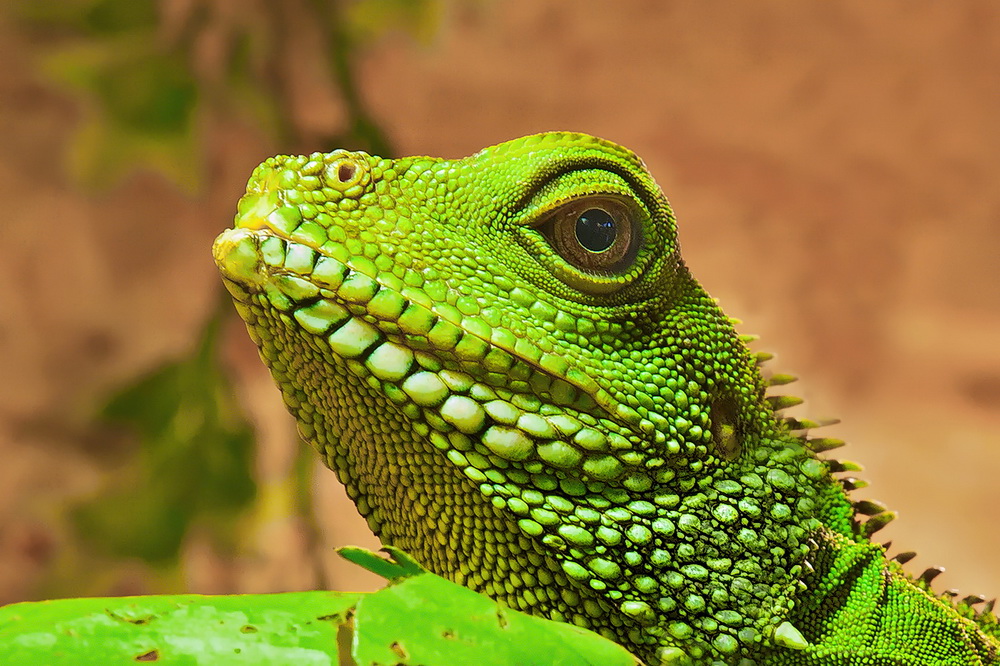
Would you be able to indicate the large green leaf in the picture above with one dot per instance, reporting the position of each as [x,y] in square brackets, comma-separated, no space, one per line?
[419,618]
[289,628]
[428,620]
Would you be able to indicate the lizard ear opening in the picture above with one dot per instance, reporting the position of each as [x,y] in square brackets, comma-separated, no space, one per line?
[725,432]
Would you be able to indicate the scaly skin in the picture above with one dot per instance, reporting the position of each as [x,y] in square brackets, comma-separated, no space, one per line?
[552,411]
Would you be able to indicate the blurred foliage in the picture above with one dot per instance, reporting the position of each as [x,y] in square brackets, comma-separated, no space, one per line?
[193,464]
[148,72]
[152,78]
[139,93]
[453,626]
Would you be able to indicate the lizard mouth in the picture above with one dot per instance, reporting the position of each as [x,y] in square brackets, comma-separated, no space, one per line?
[443,367]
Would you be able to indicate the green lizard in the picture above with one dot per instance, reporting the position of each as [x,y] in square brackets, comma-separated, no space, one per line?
[508,365]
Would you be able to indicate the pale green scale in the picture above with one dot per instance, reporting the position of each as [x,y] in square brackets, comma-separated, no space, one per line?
[285,219]
[576,535]
[320,317]
[416,320]
[559,454]
[358,288]
[508,443]
[426,388]
[444,335]
[590,439]
[273,251]
[296,288]
[534,425]
[464,413]
[353,339]
[603,467]
[502,411]
[545,517]
[389,361]
[328,273]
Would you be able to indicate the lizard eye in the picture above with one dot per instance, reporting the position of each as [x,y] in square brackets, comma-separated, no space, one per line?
[596,230]
[595,234]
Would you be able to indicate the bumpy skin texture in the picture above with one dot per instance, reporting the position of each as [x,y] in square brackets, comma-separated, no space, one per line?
[510,368]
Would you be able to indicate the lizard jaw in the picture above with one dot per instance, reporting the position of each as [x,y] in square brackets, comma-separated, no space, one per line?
[257,255]
[379,328]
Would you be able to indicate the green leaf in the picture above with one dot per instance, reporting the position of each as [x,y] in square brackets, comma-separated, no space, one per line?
[147,78]
[428,620]
[422,619]
[290,628]
[400,567]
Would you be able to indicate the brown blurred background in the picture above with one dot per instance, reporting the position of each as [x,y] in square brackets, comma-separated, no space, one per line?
[835,168]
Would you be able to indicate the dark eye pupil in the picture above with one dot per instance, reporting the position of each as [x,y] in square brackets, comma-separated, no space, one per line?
[595,229]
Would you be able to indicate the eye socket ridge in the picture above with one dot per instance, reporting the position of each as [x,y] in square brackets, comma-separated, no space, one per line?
[598,233]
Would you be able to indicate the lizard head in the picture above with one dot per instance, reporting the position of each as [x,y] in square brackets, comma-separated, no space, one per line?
[506,362]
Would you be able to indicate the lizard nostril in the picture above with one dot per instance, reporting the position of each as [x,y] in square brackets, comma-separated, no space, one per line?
[346,171]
